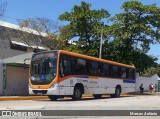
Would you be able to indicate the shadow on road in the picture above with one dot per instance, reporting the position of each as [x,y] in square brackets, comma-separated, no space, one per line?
[66,99]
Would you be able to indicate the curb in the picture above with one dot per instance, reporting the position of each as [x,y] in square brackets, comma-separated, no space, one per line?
[12,98]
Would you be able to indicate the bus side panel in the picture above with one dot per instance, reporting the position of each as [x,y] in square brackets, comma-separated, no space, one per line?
[109,85]
[91,85]
[95,85]
[66,87]
[128,86]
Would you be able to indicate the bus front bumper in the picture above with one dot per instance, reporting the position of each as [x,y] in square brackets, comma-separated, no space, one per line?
[50,91]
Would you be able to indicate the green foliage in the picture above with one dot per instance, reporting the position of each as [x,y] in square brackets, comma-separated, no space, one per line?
[151,71]
[133,32]
[85,28]
[138,26]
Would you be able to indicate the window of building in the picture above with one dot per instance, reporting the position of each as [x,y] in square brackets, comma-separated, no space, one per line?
[18,47]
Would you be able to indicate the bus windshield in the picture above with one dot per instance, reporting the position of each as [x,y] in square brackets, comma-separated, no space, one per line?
[43,67]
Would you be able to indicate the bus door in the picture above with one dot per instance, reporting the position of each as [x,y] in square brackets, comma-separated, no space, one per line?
[66,81]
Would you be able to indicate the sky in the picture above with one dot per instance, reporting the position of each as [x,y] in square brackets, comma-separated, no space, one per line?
[22,9]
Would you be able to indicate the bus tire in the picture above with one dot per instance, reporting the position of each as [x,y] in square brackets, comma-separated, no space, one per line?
[77,94]
[53,97]
[97,96]
[117,92]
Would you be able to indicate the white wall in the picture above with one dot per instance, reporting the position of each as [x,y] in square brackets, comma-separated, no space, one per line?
[146,81]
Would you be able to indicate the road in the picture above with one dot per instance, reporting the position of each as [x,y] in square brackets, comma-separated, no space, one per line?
[149,102]
[143,102]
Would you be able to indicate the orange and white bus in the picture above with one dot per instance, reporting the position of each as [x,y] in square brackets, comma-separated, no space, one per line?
[61,73]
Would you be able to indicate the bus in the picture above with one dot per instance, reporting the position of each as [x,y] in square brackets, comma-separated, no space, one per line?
[60,73]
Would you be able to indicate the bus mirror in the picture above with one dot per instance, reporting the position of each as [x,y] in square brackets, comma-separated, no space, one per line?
[24,65]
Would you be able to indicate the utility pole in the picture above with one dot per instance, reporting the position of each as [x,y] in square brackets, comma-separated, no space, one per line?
[100,50]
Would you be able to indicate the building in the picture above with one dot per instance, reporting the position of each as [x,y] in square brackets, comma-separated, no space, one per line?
[14,50]
[14,76]
[11,44]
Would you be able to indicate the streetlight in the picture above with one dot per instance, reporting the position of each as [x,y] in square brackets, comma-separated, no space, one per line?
[100,50]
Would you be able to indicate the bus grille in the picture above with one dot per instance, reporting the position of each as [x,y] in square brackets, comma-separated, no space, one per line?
[40,91]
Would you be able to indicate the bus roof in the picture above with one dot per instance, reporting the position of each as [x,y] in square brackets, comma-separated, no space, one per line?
[95,59]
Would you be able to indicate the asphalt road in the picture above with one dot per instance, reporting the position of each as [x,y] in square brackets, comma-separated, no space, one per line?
[143,102]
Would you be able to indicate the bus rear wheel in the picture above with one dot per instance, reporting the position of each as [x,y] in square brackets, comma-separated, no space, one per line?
[53,97]
[97,96]
[77,94]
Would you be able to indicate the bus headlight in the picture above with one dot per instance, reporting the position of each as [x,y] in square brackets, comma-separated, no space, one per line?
[53,85]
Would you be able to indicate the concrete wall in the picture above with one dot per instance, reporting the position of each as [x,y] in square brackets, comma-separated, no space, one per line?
[17,81]
[6,51]
[8,34]
[146,81]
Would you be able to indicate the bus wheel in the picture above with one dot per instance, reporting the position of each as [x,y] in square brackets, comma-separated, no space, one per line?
[53,97]
[77,95]
[97,96]
[117,93]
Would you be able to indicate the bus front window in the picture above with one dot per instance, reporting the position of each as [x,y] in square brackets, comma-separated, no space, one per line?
[43,68]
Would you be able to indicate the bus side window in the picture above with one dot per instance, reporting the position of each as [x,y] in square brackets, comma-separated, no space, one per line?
[134,75]
[94,69]
[131,74]
[61,69]
[99,69]
[111,70]
[89,65]
[127,73]
[105,70]
[65,65]
[119,72]
[115,71]
[80,66]
[123,72]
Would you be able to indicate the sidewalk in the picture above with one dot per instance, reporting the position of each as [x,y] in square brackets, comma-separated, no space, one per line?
[12,98]
[144,93]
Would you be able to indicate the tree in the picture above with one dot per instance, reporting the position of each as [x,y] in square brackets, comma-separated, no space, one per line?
[41,32]
[84,28]
[3,5]
[151,71]
[133,31]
